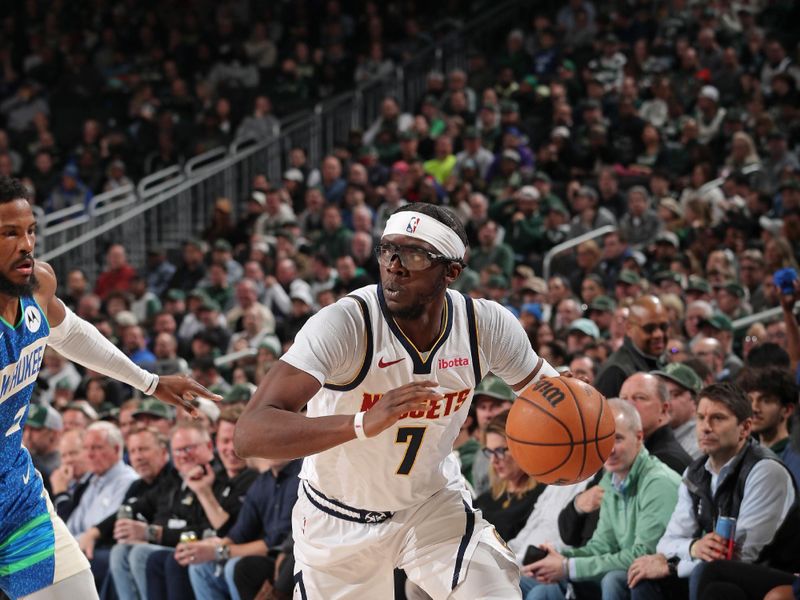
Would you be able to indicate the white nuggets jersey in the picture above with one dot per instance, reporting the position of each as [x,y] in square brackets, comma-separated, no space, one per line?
[357,351]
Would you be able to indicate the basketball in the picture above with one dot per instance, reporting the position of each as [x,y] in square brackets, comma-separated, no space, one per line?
[560,431]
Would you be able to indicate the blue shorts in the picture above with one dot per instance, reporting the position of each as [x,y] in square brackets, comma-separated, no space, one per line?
[38,553]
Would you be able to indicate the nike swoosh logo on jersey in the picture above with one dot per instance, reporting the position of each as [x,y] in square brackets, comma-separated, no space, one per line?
[27,476]
[383,365]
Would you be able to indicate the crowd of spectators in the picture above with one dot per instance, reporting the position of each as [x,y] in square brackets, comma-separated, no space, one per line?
[674,123]
[95,95]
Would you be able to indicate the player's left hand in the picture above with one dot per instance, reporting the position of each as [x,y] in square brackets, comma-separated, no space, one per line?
[180,390]
[193,553]
[551,568]
[652,566]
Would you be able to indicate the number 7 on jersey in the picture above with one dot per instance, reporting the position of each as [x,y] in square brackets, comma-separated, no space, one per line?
[413,437]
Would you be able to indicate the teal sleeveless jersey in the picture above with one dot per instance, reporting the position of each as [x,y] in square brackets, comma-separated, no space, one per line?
[26,535]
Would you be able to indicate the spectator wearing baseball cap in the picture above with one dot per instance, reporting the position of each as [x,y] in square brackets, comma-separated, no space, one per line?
[41,436]
[731,300]
[709,114]
[628,285]
[720,327]
[154,413]
[239,393]
[580,333]
[641,223]
[588,214]
[475,151]
[683,385]
[697,288]
[521,218]
[601,311]
[504,173]
[665,250]
[492,396]
[668,282]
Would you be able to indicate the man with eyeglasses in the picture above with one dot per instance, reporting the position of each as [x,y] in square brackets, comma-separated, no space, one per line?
[388,374]
[492,396]
[644,343]
[206,495]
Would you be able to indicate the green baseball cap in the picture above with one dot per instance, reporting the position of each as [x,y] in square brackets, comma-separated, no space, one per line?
[44,417]
[670,275]
[223,245]
[494,387]
[175,294]
[682,375]
[542,176]
[272,344]
[718,321]
[498,281]
[603,304]
[241,392]
[152,407]
[509,106]
[586,327]
[629,277]
[698,284]
[734,289]
[210,304]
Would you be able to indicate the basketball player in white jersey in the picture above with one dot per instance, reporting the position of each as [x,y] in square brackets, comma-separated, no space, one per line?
[387,374]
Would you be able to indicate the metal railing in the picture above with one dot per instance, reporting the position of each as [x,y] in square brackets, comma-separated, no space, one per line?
[765,316]
[175,204]
[570,244]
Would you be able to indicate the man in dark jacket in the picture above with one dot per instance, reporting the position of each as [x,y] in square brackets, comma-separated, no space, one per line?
[645,340]
[650,396]
[201,498]
[147,451]
[735,478]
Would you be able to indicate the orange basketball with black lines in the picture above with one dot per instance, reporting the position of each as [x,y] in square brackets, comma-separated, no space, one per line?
[560,430]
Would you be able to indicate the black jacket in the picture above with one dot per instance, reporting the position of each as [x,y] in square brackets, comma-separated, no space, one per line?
[620,365]
[663,445]
[172,505]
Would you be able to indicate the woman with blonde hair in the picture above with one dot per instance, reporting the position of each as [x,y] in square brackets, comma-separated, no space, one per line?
[743,152]
[512,493]
[778,254]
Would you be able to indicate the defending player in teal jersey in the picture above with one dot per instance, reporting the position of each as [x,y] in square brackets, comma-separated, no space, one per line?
[39,559]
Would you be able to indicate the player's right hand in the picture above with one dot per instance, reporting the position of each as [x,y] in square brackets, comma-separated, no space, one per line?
[409,397]
[589,500]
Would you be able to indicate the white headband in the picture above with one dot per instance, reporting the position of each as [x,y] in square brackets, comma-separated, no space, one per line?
[426,228]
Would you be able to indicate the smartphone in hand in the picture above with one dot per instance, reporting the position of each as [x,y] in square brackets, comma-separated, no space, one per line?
[533,554]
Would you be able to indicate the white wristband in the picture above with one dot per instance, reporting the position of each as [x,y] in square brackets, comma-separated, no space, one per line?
[358,425]
[152,387]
